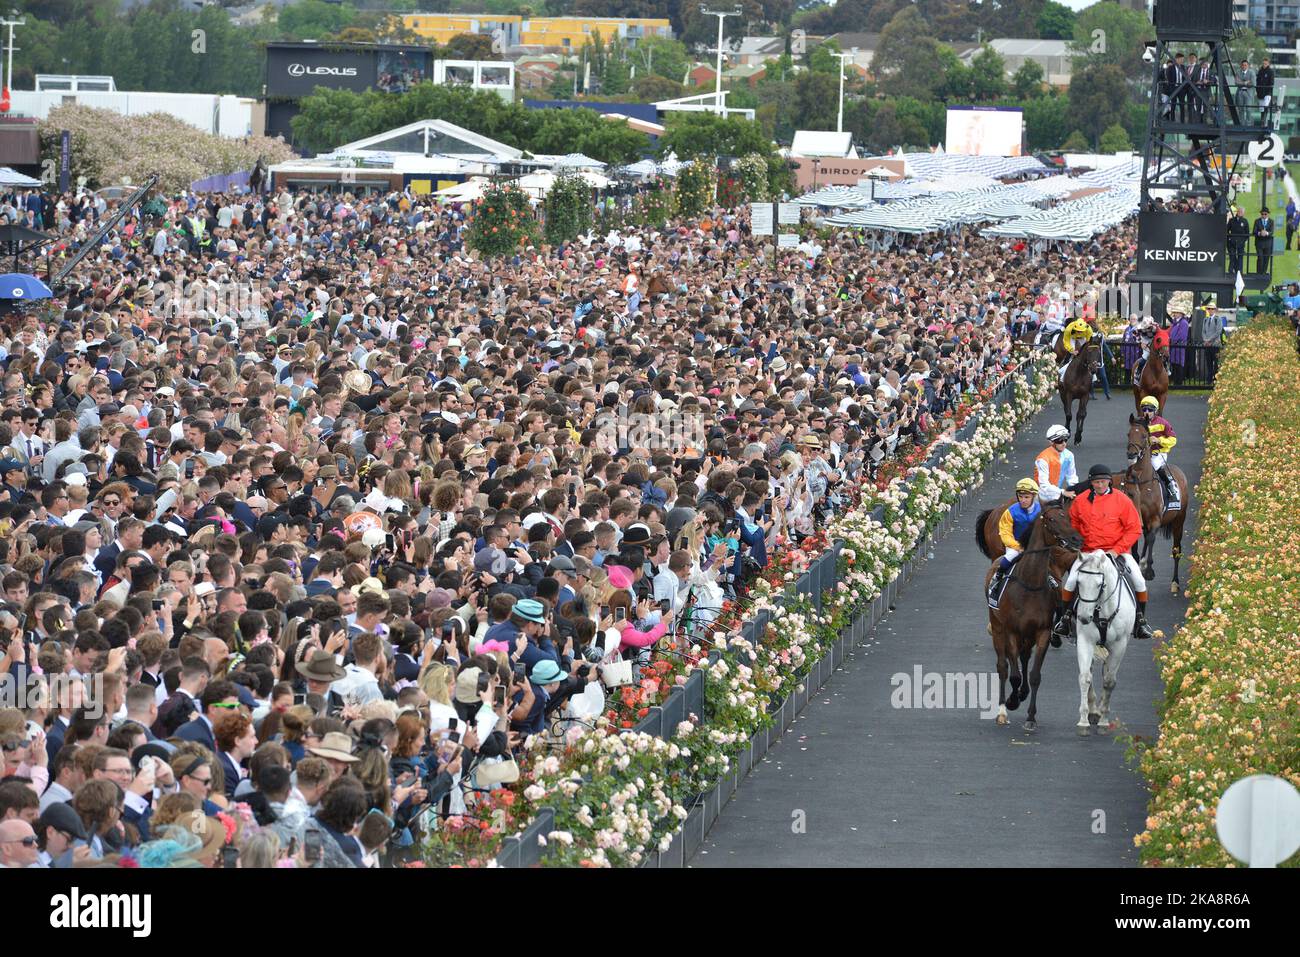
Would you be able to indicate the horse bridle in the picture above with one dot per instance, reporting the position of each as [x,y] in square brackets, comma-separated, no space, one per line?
[1134,455]
[1103,626]
[1060,542]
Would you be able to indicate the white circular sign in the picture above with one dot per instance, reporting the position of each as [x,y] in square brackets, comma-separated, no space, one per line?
[1258,820]
[18,292]
[1267,152]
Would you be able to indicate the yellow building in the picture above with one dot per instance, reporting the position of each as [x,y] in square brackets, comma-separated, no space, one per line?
[558,33]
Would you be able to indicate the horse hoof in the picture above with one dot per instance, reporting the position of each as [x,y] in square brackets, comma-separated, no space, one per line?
[1094,718]
[1148,573]
[1031,727]
[1002,719]
[1082,730]
[1173,588]
[1105,729]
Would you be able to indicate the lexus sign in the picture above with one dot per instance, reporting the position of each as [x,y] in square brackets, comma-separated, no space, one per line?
[293,72]
[1173,246]
[299,69]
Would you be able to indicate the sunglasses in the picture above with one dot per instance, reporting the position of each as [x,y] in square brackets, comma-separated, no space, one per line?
[28,841]
[227,705]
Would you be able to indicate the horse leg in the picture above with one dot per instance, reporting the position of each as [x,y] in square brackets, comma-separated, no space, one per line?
[1178,548]
[1065,404]
[999,645]
[1083,414]
[1109,674]
[1148,557]
[1035,677]
[1013,661]
[1084,649]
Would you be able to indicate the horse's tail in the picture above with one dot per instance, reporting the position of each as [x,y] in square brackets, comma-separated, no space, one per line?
[979,532]
[1167,530]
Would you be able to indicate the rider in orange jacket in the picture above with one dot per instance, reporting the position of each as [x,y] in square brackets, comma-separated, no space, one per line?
[1108,521]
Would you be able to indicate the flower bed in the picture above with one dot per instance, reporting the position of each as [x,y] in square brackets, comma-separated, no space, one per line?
[616,794]
[1232,672]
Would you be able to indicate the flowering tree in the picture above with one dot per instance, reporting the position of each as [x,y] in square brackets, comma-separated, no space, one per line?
[654,207]
[695,185]
[502,222]
[745,182]
[109,148]
[568,208]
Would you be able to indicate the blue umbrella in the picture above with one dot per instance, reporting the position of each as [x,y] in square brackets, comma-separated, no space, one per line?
[17,285]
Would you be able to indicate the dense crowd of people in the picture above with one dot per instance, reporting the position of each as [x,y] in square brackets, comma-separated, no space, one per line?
[310,519]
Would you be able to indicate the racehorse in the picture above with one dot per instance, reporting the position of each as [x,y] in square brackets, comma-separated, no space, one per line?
[1154,379]
[1022,623]
[657,286]
[1141,484]
[1106,611]
[1058,349]
[1076,384]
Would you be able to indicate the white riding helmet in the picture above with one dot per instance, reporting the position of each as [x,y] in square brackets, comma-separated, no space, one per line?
[1057,432]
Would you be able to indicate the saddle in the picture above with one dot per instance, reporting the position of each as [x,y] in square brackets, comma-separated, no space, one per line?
[998,586]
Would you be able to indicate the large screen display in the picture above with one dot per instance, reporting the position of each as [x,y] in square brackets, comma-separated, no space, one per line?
[985,131]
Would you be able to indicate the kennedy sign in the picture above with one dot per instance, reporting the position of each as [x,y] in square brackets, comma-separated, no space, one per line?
[1173,246]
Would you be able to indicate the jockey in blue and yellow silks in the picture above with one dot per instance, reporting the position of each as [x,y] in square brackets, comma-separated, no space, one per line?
[1015,525]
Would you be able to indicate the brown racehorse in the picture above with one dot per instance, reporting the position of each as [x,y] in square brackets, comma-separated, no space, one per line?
[1076,386]
[1022,624]
[1058,349]
[1141,484]
[1154,379]
[657,286]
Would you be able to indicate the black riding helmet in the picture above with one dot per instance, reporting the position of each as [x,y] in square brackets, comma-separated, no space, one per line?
[1098,471]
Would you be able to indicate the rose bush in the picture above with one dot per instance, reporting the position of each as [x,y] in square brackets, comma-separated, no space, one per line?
[1232,672]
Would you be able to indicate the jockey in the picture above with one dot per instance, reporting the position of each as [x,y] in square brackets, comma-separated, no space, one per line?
[1108,521]
[1015,525]
[1160,340]
[1076,334]
[1163,440]
[1054,467]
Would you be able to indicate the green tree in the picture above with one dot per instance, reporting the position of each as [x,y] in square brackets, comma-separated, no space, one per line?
[1115,139]
[822,58]
[1056,22]
[958,83]
[905,56]
[1106,33]
[470,46]
[568,209]
[1098,97]
[707,135]
[314,19]
[1047,122]
[661,57]
[816,100]
[988,75]
[1076,142]
[1027,82]
[652,88]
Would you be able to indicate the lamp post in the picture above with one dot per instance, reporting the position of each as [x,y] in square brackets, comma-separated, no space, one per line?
[14,21]
[721,15]
[839,116]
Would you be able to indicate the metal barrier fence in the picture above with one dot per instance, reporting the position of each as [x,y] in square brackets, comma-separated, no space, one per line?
[1191,366]
[525,850]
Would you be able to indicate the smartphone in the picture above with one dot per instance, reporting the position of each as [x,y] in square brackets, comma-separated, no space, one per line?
[521,671]
[299,699]
[189,468]
[604,612]
[620,613]
[158,604]
[229,857]
[666,605]
[500,697]
[293,846]
[311,847]
[390,543]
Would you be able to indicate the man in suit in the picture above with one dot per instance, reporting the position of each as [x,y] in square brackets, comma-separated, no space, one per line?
[1264,90]
[218,698]
[1179,79]
[29,446]
[1168,86]
[236,742]
[1238,236]
[1263,233]
[183,703]
[1202,80]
